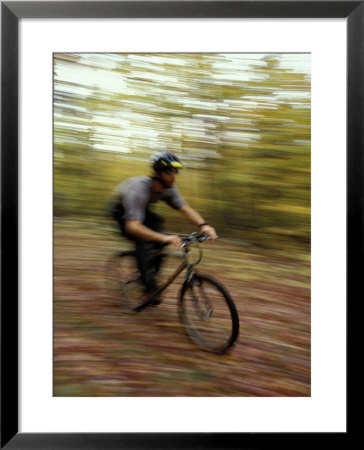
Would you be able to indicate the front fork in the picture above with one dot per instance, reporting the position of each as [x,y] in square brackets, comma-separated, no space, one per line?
[200,302]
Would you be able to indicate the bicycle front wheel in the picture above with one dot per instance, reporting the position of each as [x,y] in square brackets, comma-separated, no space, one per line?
[123,279]
[209,314]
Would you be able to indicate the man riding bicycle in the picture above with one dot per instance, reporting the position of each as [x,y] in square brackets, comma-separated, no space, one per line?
[131,209]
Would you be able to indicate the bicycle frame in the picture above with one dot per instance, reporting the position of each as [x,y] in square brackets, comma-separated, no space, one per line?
[197,294]
[186,264]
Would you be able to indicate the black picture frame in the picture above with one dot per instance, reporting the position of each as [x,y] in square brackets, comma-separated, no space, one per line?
[11,12]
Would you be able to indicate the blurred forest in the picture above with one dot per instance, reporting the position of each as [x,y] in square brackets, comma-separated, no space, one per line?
[239,122]
[241,125]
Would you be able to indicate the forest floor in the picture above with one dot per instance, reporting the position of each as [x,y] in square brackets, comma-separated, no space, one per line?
[101,351]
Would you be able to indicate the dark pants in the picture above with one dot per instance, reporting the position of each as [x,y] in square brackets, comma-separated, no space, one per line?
[147,264]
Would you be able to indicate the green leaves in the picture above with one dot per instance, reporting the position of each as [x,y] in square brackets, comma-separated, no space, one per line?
[240,122]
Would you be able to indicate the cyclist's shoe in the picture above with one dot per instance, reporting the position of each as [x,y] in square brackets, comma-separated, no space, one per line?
[154,298]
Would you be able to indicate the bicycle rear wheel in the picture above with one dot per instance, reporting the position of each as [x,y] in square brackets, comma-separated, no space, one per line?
[209,314]
[123,279]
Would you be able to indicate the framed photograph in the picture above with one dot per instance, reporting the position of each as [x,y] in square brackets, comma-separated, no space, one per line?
[253,109]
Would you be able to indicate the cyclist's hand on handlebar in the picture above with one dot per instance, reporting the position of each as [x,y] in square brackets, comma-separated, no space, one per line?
[173,239]
[209,231]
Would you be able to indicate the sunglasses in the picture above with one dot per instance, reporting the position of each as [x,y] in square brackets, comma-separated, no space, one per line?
[171,171]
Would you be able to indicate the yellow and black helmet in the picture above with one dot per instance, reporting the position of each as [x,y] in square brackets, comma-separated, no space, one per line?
[163,161]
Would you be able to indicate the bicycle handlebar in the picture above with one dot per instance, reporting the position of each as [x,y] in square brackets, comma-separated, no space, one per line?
[194,237]
[187,239]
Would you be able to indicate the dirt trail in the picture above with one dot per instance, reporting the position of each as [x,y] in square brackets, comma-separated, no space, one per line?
[101,351]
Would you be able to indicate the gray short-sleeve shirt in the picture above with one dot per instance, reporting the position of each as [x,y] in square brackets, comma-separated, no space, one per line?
[136,194]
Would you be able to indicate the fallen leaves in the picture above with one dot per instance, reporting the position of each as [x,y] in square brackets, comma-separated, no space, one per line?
[101,351]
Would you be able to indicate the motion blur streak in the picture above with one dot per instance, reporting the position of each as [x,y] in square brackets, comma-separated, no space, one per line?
[241,125]
[240,122]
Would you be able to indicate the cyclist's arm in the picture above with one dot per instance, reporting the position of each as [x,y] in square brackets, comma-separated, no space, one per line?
[136,228]
[195,218]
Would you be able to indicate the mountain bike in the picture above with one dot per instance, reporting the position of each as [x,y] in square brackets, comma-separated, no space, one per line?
[206,308]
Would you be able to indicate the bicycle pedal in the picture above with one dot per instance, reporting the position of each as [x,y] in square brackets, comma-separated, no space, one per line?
[141,307]
[154,304]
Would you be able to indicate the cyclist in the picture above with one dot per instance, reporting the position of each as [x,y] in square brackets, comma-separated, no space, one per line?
[131,209]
